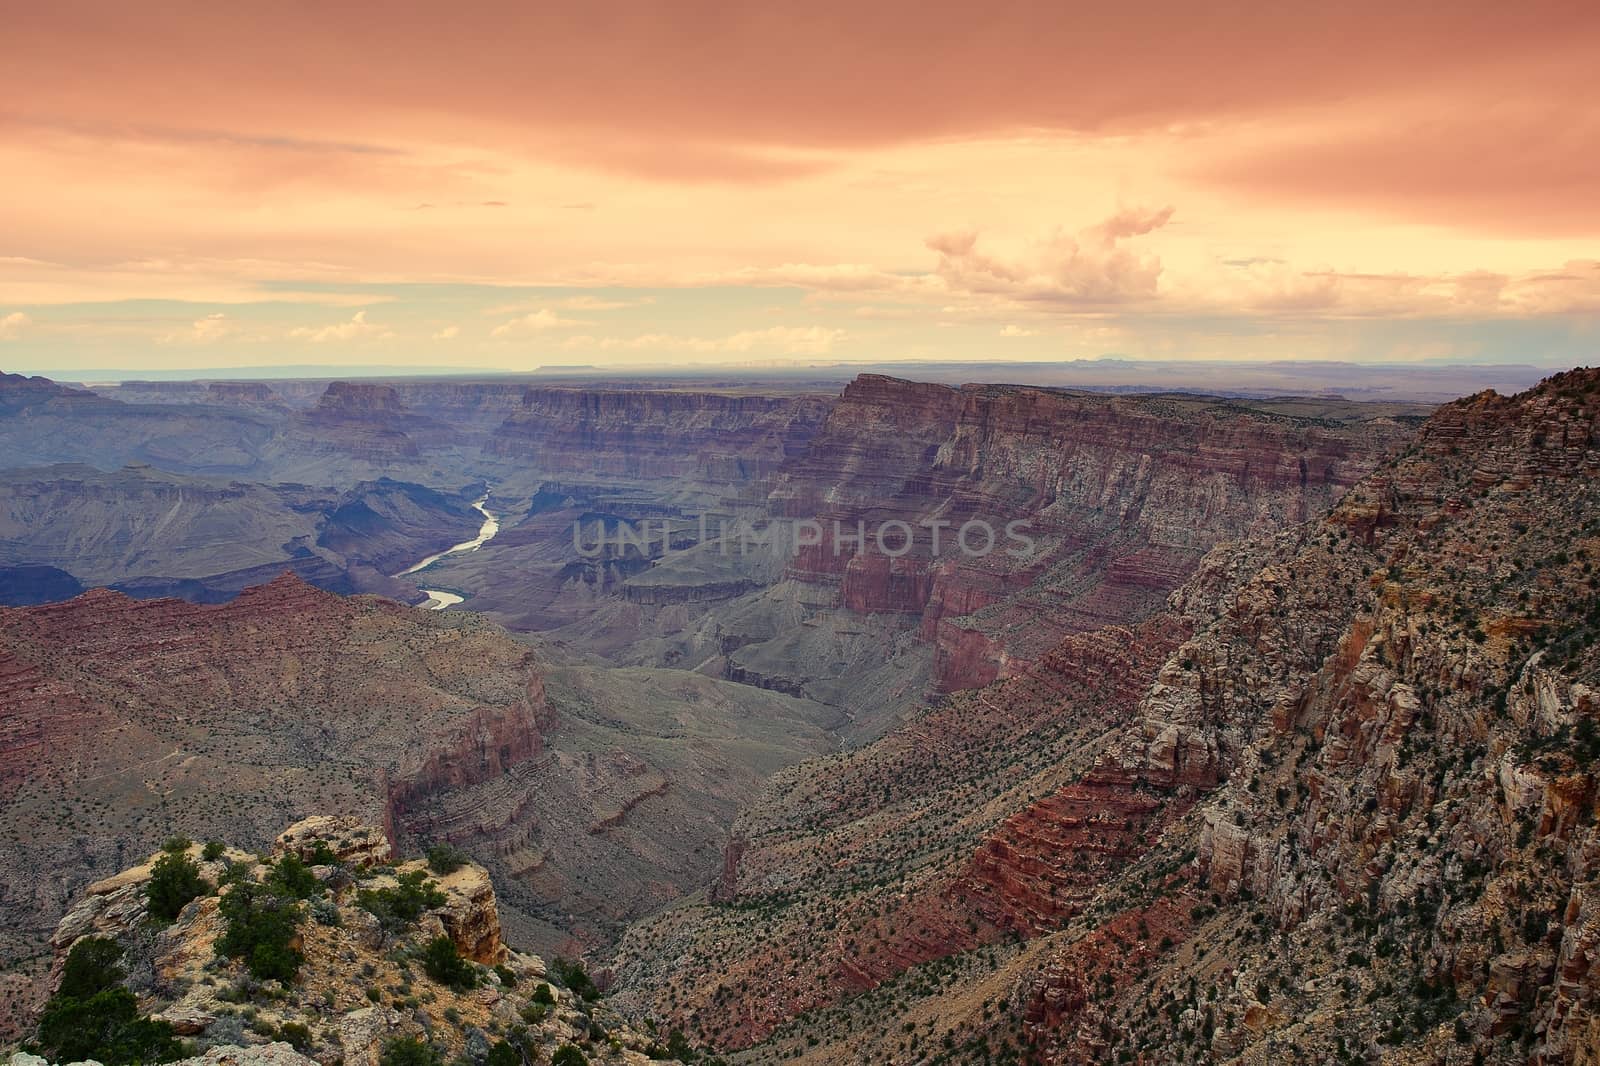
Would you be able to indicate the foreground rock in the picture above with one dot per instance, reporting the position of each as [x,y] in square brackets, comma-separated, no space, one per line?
[366,978]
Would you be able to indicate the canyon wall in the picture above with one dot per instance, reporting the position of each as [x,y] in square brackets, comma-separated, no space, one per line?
[1119,496]
[726,440]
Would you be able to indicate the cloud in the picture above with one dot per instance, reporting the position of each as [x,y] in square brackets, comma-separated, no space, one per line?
[876,74]
[1512,168]
[538,321]
[1018,331]
[12,325]
[1272,288]
[356,328]
[788,340]
[208,330]
[449,333]
[1091,269]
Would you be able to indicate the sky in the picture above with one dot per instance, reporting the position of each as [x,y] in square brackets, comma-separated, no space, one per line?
[515,185]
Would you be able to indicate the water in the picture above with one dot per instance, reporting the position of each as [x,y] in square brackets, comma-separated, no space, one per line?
[439,599]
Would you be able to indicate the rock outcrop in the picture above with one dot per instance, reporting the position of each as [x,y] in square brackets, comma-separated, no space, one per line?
[364,977]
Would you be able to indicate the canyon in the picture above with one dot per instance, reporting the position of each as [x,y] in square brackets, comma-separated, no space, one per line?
[1289,706]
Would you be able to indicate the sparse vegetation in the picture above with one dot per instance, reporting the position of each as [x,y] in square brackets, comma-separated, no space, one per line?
[574,978]
[445,859]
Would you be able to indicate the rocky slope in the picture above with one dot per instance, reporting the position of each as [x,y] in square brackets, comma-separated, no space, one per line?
[364,979]
[1334,802]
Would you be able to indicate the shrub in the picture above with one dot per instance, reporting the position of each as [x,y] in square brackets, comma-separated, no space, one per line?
[543,996]
[91,967]
[296,1034]
[213,850]
[442,962]
[322,855]
[174,881]
[177,844]
[568,1055]
[260,930]
[571,974]
[443,859]
[93,1017]
[291,877]
[409,1051]
[503,1054]
[397,908]
[506,975]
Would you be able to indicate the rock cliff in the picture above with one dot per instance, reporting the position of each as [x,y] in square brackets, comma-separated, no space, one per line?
[725,440]
[1119,498]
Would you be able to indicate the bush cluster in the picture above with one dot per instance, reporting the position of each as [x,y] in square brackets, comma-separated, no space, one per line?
[399,907]
[92,1016]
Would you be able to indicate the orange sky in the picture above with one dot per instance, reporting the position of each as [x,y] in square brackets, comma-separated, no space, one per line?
[504,185]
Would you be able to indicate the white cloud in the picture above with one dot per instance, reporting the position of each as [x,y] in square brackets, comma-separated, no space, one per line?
[356,328]
[449,333]
[1092,268]
[1018,331]
[208,330]
[12,325]
[534,322]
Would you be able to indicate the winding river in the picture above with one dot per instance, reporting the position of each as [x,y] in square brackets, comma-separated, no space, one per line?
[439,599]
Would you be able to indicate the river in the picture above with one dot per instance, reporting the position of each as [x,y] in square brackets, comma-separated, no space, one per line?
[439,599]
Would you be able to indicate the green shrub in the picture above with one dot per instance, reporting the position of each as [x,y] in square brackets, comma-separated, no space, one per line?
[174,881]
[260,930]
[443,859]
[409,1051]
[177,844]
[568,1055]
[543,995]
[91,968]
[571,974]
[397,908]
[296,1035]
[442,962]
[213,850]
[507,976]
[291,877]
[93,1017]
[322,855]
[504,1054]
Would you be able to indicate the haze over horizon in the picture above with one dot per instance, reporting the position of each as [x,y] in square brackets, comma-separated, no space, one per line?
[641,186]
